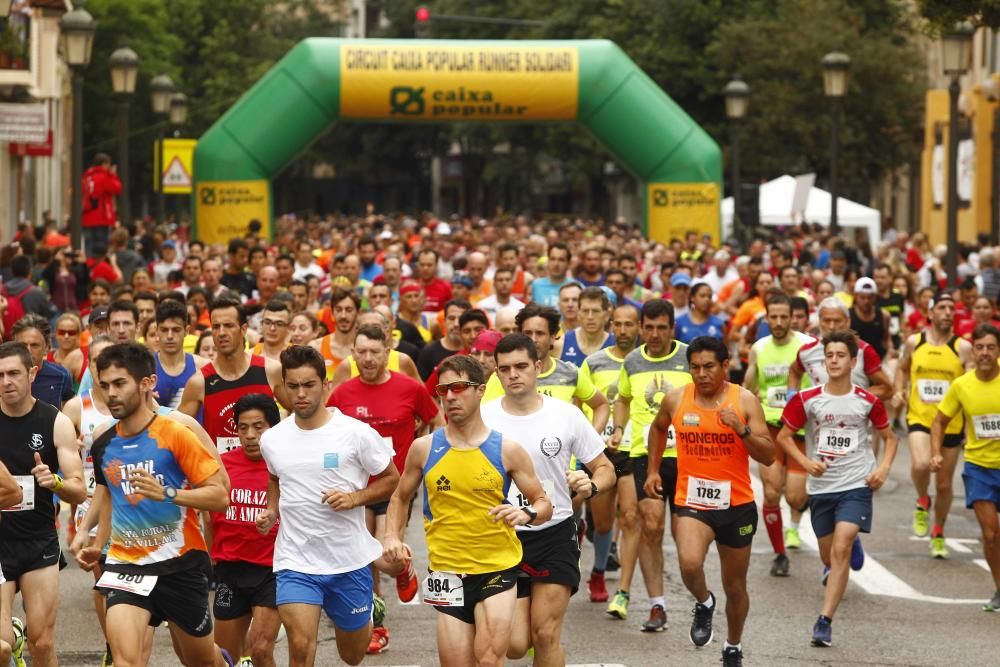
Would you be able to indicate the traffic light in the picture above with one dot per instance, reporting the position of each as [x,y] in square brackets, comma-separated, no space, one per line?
[421,26]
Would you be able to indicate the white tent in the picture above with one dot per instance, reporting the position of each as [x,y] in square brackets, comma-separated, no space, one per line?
[776,209]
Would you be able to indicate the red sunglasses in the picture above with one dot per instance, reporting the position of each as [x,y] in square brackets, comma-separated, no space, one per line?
[454,387]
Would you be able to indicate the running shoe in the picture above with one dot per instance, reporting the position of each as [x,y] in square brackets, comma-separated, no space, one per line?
[657,620]
[732,657]
[613,563]
[406,583]
[826,575]
[378,610]
[701,627]
[857,554]
[939,549]
[993,604]
[106,661]
[17,650]
[598,589]
[921,522]
[822,632]
[245,662]
[779,568]
[619,605]
[792,540]
[379,641]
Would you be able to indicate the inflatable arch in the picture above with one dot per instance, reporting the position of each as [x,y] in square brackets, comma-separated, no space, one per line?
[591,82]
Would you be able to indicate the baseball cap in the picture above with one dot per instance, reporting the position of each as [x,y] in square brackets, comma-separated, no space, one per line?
[865,286]
[486,341]
[169,244]
[461,279]
[680,279]
[98,313]
[941,295]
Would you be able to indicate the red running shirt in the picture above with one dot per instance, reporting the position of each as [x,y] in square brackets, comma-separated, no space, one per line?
[221,395]
[390,408]
[234,533]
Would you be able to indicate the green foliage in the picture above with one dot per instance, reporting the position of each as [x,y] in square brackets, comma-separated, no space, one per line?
[943,14]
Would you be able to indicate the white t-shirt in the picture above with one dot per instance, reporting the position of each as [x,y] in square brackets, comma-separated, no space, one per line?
[303,272]
[551,435]
[342,454]
[491,305]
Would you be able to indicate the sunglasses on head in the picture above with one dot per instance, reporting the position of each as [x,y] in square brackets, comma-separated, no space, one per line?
[454,387]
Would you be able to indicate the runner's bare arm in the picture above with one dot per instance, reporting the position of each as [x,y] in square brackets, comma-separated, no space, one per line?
[266,519]
[277,382]
[786,440]
[759,444]
[902,379]
[794,376]
[602,473]
[73,488]
[602,410]
[621,416]
[522,471]
[73,409]
[194,394]
[877,477]
[210,495]
[881,385]
[100,515]
[750,379]
[938,427]
[10,490]
[407,367]
[380,488]
[409,482]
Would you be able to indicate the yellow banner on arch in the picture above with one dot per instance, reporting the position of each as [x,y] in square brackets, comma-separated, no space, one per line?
[474,83]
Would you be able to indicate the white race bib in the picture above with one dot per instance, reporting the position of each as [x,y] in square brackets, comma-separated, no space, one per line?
[708,494]
[837,442]
[138,584]
[932,391]
[444,589]
[987,427]
[27,484]
[777,397]
[88,476]
[227,444]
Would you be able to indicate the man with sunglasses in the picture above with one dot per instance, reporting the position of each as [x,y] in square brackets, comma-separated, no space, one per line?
[472,548]
[552,431]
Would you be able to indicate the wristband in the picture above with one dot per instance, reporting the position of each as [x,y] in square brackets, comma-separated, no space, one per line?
[59,482]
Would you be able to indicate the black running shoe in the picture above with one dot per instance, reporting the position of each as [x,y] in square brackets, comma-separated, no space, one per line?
[732,657]
[701,626]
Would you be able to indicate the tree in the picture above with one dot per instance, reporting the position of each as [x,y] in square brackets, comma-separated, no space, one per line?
[942,15]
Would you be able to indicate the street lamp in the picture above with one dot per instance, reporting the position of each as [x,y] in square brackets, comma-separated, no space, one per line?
[737,94]
[77,28]
[956,54]
[5,7]
[124,65]
[178,109]
[835,66]
[162,87]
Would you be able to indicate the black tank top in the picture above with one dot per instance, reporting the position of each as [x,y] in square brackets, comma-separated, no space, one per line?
[22,438]
[872,332]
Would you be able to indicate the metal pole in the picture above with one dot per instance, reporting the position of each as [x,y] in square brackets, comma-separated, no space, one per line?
[952,257]
[124,205]
[76,205]
[995,222]
[734,138]
[157,169]
[834,147]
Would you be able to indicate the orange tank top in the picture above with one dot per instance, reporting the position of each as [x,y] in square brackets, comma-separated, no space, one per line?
[331,359]
[713,465]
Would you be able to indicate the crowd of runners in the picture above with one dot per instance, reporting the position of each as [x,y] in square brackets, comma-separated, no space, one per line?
[241,434]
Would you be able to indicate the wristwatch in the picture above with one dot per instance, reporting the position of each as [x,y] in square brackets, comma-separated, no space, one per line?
[593,489]
[170,494]
[746,431]
[531,512]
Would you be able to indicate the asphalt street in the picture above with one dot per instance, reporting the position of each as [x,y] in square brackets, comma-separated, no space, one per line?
[903,608]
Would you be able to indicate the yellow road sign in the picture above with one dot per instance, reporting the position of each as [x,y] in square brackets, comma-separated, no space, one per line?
[177,166]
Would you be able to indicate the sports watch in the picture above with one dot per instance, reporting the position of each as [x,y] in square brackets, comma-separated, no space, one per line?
[170,494]
[531,512]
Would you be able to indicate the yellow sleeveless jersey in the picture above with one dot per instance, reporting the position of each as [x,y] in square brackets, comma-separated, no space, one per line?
[933,368]
[460,488]
[393,364]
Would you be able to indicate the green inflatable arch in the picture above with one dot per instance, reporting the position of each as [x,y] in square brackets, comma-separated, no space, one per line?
[590,82]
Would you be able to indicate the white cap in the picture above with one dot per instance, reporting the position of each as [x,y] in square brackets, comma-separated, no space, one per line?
[721,256]
[443,228]
[865,286]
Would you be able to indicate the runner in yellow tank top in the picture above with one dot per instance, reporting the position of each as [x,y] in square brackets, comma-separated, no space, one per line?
[932,360]
[466,470]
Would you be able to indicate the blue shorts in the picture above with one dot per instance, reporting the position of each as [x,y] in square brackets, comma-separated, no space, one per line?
[981,484]
[852,506]
[346,598]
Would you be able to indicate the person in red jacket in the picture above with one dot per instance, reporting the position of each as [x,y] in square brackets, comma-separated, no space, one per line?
[100,187]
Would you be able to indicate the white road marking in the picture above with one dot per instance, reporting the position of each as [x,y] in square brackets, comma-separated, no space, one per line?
[874,578]
[959,544]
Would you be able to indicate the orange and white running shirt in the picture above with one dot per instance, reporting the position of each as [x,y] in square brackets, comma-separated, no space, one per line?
[150,536]
[713,465]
